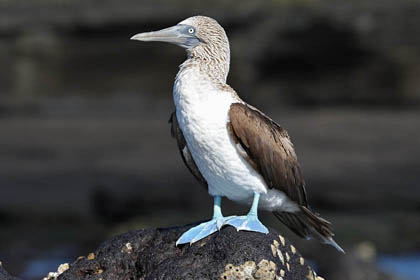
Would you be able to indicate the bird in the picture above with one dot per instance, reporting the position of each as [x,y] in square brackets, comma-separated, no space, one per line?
[229,146]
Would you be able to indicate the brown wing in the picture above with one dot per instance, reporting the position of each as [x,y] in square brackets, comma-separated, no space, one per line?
[184,151]
[268,146]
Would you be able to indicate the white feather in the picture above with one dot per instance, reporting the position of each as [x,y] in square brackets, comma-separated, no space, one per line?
[202,111]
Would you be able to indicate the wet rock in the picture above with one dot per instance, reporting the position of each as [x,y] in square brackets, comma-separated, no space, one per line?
[54,275]
[228,254]
[4,275]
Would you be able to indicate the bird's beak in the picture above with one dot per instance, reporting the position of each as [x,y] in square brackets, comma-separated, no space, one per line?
[177,35]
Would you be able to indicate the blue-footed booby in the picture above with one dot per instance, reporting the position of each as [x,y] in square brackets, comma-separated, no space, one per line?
[232,148]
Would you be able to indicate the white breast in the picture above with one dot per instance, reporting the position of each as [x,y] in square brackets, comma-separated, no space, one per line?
[202,112]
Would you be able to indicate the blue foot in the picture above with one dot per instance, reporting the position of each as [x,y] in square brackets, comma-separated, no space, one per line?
[202,230]
[249,223]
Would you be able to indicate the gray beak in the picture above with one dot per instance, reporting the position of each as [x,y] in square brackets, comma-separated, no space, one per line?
[178,35]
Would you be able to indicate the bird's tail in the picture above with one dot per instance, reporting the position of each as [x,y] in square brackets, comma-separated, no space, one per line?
[308,224]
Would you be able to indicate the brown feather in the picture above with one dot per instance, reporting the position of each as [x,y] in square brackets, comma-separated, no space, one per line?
[176,132]
[268,146]
[307,224]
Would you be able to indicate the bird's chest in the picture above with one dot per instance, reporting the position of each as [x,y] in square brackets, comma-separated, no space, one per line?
[202,112]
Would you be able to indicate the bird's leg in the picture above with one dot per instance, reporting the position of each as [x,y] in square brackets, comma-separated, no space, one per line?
[249,222]
[205,229]
[254,207]
[217,212]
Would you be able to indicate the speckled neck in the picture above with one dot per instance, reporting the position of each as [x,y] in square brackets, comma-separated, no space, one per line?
[213,60]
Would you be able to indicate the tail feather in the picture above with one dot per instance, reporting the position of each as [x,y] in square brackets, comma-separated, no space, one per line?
[308,224]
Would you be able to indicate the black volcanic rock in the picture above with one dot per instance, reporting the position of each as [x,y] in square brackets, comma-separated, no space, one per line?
[4,275]
[228,254]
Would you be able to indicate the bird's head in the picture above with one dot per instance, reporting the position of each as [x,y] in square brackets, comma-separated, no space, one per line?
[190,33]
[201,36]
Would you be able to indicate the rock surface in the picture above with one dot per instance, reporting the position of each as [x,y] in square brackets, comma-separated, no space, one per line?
[4,275]
[229,254]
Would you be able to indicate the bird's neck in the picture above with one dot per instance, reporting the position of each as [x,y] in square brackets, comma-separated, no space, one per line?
[212,62]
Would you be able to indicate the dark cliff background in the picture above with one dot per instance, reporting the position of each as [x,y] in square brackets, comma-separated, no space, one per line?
[85,148]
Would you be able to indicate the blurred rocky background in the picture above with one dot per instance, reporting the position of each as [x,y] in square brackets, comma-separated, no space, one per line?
[85,148]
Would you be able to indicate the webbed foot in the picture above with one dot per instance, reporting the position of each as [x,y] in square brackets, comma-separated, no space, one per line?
[202,230]
[248,222]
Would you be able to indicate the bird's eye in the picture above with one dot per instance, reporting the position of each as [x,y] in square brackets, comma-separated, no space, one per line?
[191,30]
